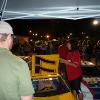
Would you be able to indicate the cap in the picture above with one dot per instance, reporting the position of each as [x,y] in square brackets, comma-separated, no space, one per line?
[5,28]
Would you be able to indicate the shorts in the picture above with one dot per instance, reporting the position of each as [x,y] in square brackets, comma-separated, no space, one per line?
[76,85]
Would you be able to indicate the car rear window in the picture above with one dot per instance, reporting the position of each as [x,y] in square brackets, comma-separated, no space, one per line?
[49,87]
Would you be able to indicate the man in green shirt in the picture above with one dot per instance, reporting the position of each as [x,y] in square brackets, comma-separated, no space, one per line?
[15,81]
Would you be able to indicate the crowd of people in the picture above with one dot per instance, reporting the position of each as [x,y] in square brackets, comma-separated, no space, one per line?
[89,50]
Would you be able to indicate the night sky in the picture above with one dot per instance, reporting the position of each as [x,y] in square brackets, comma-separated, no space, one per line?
[56,27]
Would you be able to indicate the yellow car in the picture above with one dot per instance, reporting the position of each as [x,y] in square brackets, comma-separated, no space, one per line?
[51,88]
[48,84]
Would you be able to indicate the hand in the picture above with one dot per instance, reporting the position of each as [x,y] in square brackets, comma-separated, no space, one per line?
[62,60]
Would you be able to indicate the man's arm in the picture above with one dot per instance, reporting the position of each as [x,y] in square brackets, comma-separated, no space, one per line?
[26,98]
[26,90]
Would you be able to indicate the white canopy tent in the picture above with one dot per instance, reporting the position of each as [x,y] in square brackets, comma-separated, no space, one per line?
[46,9]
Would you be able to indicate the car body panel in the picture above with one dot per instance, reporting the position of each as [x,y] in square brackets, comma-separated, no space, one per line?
[45,64]
[65,96]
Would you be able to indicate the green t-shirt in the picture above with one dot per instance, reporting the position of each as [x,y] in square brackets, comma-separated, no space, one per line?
[15,78]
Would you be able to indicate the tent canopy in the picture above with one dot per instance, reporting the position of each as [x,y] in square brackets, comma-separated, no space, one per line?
[45,9]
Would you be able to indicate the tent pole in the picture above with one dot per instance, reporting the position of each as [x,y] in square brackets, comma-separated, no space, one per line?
[3,9]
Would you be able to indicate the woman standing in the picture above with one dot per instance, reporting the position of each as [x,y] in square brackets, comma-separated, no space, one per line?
[73,68]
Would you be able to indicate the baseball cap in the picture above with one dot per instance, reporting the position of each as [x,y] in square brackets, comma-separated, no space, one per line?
[5,28]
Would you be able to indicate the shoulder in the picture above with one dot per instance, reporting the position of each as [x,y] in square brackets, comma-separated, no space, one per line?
[17,61]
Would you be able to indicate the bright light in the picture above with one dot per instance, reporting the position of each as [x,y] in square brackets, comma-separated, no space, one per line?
[31,40]
[90,63]
[95,22]
[47,36]
[36,34]
[68,37]
[54,40]
[70,33]
[30,31]
[87,37]
[50,78]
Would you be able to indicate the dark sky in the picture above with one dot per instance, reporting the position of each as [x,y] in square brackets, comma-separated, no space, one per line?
[57,27]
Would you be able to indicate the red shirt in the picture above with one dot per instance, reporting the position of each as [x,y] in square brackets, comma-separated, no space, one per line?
[63,51]
[73,72]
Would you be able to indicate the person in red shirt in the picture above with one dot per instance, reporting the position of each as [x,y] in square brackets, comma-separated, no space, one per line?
[63,52]
[73,68]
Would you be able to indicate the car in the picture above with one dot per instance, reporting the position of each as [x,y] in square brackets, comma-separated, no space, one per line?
[47,83]
[91,78]
[51,88]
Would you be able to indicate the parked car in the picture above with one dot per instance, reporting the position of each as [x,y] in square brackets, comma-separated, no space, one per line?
[51,88]
[48,84]
[91,78]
